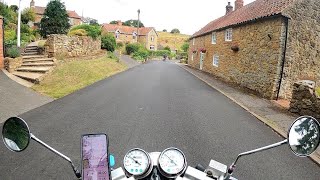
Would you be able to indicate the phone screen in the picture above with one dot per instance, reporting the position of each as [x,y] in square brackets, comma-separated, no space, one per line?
[95,164]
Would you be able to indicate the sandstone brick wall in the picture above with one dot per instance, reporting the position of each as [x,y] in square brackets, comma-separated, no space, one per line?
[255,66]
[11,64]
[304,99]
[1,44]
[303,52]
[71,46]
[149,41]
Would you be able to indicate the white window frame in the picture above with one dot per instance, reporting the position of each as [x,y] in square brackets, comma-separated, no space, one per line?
[192,56]
[215,60]
[152,47]
[117,34]
[214,38]
[228,34]
[193,41]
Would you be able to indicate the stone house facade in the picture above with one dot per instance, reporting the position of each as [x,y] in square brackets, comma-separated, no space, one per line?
[147,36]
[264,46]
[74,18]
[1,43]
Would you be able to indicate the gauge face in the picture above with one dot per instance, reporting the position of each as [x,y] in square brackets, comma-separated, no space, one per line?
[172,161]
[136,162]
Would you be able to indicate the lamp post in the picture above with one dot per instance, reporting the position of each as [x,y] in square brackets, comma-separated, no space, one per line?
[19,24]
[138,24]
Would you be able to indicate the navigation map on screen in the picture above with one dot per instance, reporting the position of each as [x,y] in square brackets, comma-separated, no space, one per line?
[95,157]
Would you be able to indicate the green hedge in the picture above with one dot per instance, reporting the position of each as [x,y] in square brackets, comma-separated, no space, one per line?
[108,42]
[141,54]
[132,48]
[160,53]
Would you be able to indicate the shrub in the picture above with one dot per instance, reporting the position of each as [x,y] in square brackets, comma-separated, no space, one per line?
[119,45]
[167,48]
[132,48]
[92,31]
[108,42]
[78,32]
[182,55]
[185,47]
[111,55]
[141,54]
[13,52]
[318,91]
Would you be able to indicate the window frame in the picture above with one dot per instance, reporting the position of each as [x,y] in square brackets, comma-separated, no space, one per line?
[214,40]
[152,38]
[152,46]
[228,34]
[215,60]
[193,41]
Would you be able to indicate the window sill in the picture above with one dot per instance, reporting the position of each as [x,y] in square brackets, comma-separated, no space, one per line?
[228,40]
[215,65]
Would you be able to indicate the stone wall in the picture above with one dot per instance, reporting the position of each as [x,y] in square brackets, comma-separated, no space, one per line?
[255,66]
[1,43]
[71,46]
[10,64]
[304,99]
[303,52]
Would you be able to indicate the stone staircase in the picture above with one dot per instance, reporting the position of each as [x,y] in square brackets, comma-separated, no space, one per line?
[34,65]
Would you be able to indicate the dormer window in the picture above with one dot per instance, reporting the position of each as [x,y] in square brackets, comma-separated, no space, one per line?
[228,35]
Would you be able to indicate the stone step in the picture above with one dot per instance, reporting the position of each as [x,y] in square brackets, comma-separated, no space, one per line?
[32,48]
[33,77]
[35,63]
[34,56]
[34,69]
[38,60]
[29,53]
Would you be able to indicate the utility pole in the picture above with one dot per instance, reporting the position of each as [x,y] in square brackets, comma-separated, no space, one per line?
[19,24]
[138,24]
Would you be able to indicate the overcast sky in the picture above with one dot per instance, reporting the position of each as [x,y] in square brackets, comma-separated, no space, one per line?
[186,15]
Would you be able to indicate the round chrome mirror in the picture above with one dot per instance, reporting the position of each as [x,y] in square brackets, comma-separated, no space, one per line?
[16,134]
[304,136]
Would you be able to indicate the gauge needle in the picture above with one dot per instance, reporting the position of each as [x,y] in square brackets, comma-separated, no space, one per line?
[171,160]
[134,160]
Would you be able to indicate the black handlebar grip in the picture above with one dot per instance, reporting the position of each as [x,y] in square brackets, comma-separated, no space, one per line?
[200,168]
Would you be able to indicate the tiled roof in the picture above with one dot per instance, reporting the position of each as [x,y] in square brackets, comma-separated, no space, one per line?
[40,11]
[255,10]
[126,29]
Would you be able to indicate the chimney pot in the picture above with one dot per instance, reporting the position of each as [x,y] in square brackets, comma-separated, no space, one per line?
[229,8]
[119,23]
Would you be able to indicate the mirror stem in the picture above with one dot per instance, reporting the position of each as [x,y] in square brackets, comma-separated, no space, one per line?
[76,172]
[233,165]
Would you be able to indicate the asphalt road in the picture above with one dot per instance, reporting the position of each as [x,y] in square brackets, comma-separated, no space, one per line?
[153,106]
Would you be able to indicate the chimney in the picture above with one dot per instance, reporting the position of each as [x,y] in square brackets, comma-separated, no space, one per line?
[229,8]
[119,23]
[32,3]
[238,4]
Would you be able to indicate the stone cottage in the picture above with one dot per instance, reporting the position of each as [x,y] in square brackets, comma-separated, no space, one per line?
[264,46]
[74,18]
[147,36]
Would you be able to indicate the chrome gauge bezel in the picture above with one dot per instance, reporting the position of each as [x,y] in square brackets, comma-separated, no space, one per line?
[174,175]
[147,170]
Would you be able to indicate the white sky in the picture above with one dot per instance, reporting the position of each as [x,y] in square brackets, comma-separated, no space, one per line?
[186,15]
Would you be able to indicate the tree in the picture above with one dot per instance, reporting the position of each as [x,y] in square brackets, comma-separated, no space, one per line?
[175,31]
[167,48]
[93,22]
[113,22]
[133,23]
[14,8]
[185,47]
[164,30]
[55,19]
[108,42]
[27,15]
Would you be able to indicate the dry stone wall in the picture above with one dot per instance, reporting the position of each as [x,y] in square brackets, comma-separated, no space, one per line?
[303,52]
[11,64]
[71,46]
[304,99]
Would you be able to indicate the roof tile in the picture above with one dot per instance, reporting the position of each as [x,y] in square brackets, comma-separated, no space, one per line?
[40,11]
[255,10]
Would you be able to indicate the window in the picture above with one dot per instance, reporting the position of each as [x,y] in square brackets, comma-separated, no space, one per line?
[215,60]
[193,41]
[214,38]
[117,34]
[151,47]
[152,38]
[192,56]
[228,35]
[134,35]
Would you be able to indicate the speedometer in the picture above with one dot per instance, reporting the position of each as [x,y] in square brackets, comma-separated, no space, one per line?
[172,162]
[137,162]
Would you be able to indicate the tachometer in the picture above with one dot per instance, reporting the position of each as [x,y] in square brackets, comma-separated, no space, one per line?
[137,162]
[172,162]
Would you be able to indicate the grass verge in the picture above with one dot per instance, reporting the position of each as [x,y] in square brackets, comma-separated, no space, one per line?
[318,91]
[71,76]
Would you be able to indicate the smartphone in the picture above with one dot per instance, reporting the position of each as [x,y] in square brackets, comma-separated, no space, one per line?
[95,157]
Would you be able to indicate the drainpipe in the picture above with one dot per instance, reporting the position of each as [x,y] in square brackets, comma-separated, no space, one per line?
[283,55]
